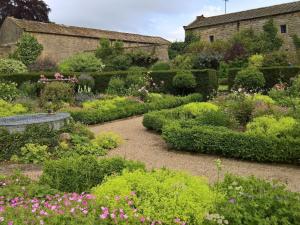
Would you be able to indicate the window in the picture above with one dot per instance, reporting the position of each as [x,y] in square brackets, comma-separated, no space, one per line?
[283,29]
[212,38]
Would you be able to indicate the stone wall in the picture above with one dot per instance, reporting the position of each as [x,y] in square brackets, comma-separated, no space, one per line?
[59,47]
[226,31]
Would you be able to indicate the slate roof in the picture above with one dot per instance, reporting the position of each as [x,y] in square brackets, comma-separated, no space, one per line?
[202,21]
[52,28]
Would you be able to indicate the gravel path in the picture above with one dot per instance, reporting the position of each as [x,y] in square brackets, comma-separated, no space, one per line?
[149,148]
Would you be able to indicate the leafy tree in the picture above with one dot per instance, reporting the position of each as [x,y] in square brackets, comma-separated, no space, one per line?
[28,49]
[270,39]
[36,10]
[104,50]
[176,48]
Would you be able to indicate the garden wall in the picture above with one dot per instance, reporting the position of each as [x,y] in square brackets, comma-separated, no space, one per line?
[273,75]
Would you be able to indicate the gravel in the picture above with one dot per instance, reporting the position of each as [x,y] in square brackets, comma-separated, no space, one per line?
[148,147]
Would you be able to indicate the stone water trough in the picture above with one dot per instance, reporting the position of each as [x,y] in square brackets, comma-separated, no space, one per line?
[19,123]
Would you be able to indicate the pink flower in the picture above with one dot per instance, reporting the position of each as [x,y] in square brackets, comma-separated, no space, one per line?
[143,219]
[10,223]
[1,219]
[1,209]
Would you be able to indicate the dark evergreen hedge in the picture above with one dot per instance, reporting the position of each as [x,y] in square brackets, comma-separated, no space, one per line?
[207,80]
[273,75]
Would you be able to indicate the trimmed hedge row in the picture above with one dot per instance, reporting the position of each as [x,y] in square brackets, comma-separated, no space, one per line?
[273,75]
[222,141]
[95,116]
[207,80]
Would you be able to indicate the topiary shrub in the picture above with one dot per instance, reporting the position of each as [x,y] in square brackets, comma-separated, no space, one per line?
[80,174]
[55,94]
[28,49]
[250,79]
[184,82]
[81,62]
[159,66]
[167,196]
[119,62]
[12,66]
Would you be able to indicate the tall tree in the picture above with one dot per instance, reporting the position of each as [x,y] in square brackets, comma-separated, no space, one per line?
[36,10]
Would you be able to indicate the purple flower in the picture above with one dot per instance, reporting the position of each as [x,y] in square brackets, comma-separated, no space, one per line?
[232,200]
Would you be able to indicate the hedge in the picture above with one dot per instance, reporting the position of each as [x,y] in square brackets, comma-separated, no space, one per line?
[96,116]
[80,174]
[273,75]
[207,80]
[228,143]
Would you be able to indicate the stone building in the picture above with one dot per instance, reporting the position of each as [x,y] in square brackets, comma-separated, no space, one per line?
[285,16]
[61,41]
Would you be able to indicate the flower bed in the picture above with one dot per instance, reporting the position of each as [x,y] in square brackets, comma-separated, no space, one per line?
[267,138]
[108,110]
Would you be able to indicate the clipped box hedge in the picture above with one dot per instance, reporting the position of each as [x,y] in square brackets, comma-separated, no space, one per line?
[228,143]
[96,116]
[273,75]
[207,80]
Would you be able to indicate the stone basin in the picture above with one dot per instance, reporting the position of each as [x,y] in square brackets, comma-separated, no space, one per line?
[19,123]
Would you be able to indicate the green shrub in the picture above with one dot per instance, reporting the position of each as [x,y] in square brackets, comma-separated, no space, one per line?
[263,98]
[29,89]
[160,194]
[250,79]
[256,60]
[82,62]
[8,91]
[182,62]
[255,201]
[28,49]
[119,62]
[225,142]
[196,109]
[278,58]
[116,86]
[272,75]
[184,82]
[216,118]
[11,144]
[55,94]
[79,174]
[108,140]
[12,66]
[85,80]
[161,66]
[8,109]
[142,58]
[270,126]
[101,111]
[32,153]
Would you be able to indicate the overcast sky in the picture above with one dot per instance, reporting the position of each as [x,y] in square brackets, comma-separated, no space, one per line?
[164,18]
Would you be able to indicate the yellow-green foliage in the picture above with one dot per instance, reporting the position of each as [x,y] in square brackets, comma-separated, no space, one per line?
[263,98]
[199,108]
[269,125]
[108,140]
[161,194]
[8,109]
[107,104]
[32,153]
[256,60]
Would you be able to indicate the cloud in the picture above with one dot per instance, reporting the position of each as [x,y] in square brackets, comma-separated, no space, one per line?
[164,18]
